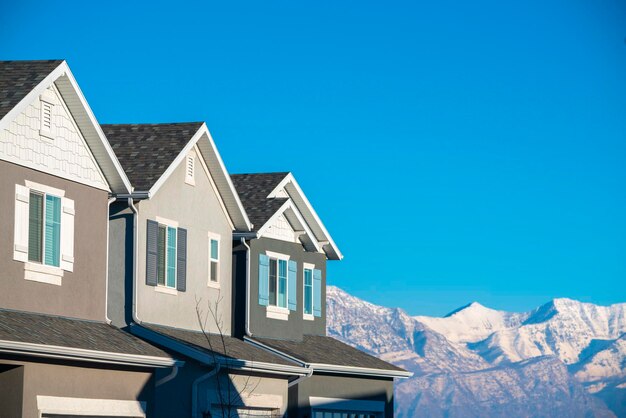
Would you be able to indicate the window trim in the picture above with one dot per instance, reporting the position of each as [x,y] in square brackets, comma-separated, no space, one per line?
[307,316]
[214,237]
[275,311]
[164,288]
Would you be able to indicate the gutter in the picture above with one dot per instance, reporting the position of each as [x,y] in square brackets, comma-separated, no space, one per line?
[106,272]
[70,353]
[132,207]
[248,296]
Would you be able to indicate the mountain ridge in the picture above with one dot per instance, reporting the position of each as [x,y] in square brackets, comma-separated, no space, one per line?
[573,355]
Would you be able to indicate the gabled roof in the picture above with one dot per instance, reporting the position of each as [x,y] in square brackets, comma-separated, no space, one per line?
[265,195]
[53,336]
[326,354]
[253,190]
[208,348]
[21,82]
[147,150]
[150,153]
[18,78]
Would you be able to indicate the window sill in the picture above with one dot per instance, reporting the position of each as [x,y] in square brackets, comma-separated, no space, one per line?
[214,285]
[276,312]
[43,274]
[308,317]
[166,290]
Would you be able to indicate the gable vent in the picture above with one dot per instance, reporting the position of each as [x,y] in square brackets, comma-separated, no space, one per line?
[46,117]
[190,171]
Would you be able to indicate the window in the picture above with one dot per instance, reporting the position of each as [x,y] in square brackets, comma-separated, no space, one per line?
[214,260]
[166,256]
[45,126]
[43,232]
[44,228]
[278,282]
[190,170]
[308,292]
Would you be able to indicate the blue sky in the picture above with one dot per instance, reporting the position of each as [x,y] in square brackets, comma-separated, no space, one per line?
[456,151]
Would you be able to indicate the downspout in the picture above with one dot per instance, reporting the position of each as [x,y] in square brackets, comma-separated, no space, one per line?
[135,317]
[194,390]
[248,295]
[167,378]
[106,283]
[301,378]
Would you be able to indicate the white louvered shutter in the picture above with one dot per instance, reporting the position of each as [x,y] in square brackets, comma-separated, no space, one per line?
[20,242]
[67,234]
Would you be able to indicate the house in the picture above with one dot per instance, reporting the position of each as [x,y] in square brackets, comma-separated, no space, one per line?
[281,267]
[59,354]
[170,273]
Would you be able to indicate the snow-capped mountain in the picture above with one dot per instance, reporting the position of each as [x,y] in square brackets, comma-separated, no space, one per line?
[565,358]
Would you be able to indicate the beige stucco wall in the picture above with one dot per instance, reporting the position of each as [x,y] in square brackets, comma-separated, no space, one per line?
[82,292]
[197,209]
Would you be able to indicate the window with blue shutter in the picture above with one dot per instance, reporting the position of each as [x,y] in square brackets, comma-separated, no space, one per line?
[166,263]
[264,270]
[292,285]
[317,293]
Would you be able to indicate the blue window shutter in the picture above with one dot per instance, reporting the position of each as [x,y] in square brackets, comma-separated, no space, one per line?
[53,231]
[292,281]
[181,260]
[317,292]
[264,273]
[152,234]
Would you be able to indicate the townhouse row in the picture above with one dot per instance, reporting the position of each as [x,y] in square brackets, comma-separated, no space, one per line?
[138,278]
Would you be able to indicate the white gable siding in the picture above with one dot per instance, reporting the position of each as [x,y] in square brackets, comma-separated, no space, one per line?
[64,155]
[281,229]
[281,193]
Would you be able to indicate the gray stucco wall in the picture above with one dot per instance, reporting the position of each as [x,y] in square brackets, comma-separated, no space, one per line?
[82,293]
[295,327]
[341,387]
[12,386]
[82,381]
[197,209]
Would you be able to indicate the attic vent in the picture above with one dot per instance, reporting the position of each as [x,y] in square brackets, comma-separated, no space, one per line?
[190,171]
[46,119]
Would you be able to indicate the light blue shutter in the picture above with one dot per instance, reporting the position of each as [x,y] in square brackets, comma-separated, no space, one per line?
[317,292]
[264,272]
[53,231]
[292,285]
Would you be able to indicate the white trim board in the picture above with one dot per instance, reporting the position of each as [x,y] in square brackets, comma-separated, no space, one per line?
[92,407]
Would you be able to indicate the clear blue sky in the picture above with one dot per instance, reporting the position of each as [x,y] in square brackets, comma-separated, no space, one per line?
[456,151]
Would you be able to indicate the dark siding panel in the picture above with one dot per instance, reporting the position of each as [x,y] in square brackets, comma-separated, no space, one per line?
[151,253]
[181,255]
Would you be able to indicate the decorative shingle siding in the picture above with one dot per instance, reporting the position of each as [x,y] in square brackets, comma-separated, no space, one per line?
[65,155]
[280,229]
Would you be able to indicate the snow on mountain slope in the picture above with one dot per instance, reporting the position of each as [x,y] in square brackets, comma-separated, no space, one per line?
[473,322]
[481,362]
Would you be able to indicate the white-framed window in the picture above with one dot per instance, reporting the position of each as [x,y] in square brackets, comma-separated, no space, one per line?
[277,277]
[190,169]
[166,254]
[43,232]
[307,297]
[45,118]
[214,259]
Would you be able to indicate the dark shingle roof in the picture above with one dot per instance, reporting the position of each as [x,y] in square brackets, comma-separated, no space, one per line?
[235,348]
[147,150]
[253,190]
[43,329]
[327,350]
[18,78]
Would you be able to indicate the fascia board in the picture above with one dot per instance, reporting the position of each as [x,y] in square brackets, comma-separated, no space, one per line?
[229,183]
[289,178]
[71,353]
[289,205]
[208,359]
[365,371]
